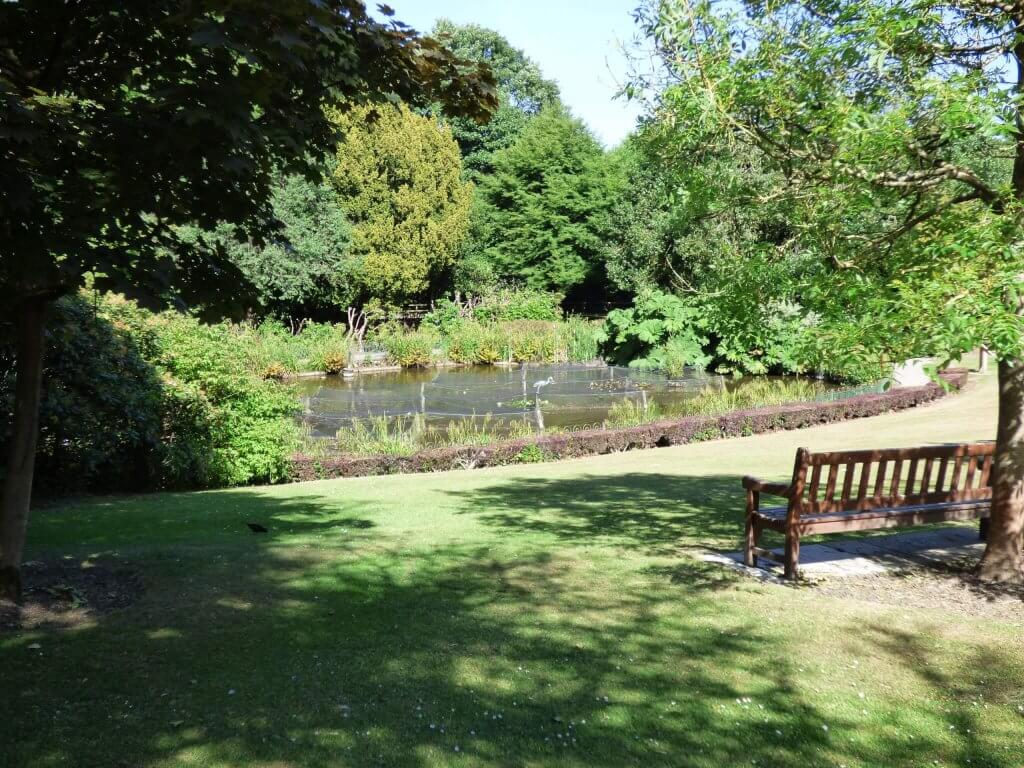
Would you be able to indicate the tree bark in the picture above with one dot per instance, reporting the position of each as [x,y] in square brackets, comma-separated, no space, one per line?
[17,490]
[1004,552]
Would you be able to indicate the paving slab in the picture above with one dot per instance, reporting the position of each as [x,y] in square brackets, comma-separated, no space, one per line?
[843,558]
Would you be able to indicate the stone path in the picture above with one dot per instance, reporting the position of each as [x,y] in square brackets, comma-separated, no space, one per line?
[839,558]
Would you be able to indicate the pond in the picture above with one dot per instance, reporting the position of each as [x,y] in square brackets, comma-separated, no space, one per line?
[541,396]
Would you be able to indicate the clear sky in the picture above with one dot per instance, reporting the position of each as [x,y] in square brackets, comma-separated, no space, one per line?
[575,42]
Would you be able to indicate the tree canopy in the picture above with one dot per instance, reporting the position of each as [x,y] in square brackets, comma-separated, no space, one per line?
[544,212]
[399,180]
[121,122]
[306,267]
[523,92]
[895,126]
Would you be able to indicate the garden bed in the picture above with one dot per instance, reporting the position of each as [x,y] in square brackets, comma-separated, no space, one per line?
[658,434]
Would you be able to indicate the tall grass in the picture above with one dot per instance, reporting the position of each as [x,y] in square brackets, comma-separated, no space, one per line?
[757,393]
[405,435]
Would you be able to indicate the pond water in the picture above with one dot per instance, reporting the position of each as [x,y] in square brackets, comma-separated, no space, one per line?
[544,396]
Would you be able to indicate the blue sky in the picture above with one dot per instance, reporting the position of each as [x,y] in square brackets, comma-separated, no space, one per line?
[575,42]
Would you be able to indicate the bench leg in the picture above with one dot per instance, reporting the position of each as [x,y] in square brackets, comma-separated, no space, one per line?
[752,532]
[792,554]
[983,529]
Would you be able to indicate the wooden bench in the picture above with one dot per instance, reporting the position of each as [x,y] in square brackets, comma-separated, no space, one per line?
[865,490]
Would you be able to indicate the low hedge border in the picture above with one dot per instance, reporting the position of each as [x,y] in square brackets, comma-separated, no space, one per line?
[658,434]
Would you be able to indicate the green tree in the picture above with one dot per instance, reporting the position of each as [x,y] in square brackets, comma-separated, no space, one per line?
[891,122]
[523,92]
[120,123]
[306,266]
[399,179]
[544,213]
[713,225]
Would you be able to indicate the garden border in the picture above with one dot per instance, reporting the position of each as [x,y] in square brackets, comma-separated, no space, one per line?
[657,434]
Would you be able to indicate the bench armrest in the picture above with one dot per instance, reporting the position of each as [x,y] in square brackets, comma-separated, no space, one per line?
[775,489]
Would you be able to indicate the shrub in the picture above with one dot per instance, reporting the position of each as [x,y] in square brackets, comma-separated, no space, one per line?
[410,349]
[532,454]
[658,330]
[493,347]
[269,349]
[135,400]
[223,423]
[445,316]
[99,419]
[518,304]
[464,343]
[630,413]
[379,435]
[326,347]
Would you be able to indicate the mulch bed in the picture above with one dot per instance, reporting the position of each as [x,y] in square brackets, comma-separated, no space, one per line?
[60,594]
[950,588]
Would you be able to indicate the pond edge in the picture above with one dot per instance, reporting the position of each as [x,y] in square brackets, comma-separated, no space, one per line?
[657,434]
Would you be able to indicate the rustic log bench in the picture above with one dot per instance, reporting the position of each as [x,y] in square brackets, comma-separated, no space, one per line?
[876,489]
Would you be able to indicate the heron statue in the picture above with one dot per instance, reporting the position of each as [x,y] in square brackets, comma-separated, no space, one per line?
[542,383]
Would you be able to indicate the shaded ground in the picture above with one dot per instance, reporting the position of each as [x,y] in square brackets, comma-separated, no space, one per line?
[66,593]
[546,615]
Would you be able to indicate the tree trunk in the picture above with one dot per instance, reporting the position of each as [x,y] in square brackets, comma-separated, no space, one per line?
[1004,553]
[17,490]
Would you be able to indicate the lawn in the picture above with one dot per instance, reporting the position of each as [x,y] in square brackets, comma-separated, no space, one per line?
[533,615]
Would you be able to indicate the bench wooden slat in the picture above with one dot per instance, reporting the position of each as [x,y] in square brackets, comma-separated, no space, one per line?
[862,489]
[880,480]
[972,468]
[847,482]
[911,477]
[830,485]
[894,486]
[812,492]
[958,468]
[927,475]
[940,482]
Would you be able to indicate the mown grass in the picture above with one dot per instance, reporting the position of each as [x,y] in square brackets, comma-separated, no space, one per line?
[546,615]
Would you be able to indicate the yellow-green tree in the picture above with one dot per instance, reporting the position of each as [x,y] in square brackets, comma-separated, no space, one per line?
[399,177]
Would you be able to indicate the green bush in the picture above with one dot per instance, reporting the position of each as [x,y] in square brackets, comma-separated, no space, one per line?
[223,424]
[464,343]
[411,349]
[445,316]
[137,401]
[658,331]
[100,413]
[326,347]
[518,304]
[630,413]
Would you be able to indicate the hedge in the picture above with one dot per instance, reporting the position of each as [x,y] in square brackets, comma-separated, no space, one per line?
[657,434]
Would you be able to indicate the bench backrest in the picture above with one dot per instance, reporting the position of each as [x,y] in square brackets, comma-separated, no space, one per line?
[843,481]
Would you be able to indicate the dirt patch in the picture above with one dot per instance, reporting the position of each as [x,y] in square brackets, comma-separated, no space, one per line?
[60,594]
[951,587]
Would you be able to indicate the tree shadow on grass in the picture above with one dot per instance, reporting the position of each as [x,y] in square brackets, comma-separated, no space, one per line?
[651,512]
[969,688]
[262,651]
